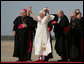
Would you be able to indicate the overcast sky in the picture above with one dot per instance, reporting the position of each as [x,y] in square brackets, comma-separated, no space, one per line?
[11,9]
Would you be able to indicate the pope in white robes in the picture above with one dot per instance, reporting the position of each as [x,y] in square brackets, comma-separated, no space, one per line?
[42,38]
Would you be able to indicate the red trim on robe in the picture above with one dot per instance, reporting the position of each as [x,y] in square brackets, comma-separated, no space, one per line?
[49,29]
[20,26]
[49,32]
[53,22]
[81,46]
[29,42]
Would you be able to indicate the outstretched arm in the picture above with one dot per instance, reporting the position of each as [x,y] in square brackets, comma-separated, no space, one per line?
[34,17]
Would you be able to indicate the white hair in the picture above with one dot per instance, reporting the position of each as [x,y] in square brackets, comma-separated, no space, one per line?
[42,12]
[45,9]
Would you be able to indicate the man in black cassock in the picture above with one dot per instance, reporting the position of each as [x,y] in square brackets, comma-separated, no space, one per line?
[19,32]
[61,30]
[77,37]
[31,26]
[81,23]
[23,31]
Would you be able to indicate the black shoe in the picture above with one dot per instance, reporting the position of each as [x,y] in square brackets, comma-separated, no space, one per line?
[29,59]
[46,59]
[20,60]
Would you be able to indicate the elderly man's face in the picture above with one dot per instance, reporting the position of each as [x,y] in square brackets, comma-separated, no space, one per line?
[59,14]
[22,13]
[41,15]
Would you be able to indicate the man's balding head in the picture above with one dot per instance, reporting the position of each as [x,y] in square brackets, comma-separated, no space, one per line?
[60,13]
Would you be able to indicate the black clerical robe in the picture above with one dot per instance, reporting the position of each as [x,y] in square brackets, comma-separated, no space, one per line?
[76,38]
[61,31]
[31,25]
[20,38]
[23,37]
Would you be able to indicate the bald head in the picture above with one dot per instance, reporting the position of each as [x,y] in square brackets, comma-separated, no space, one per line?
[60,13]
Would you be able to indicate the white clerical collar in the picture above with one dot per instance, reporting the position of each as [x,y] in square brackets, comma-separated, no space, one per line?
[59,20]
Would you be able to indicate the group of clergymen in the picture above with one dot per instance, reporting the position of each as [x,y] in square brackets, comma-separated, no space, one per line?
[69,36]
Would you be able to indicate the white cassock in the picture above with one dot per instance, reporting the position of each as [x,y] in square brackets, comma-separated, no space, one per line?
[42,36]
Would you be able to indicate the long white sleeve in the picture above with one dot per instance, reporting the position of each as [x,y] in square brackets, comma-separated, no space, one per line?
[52,17]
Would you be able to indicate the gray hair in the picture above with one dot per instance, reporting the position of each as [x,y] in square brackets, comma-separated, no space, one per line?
[62,12]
